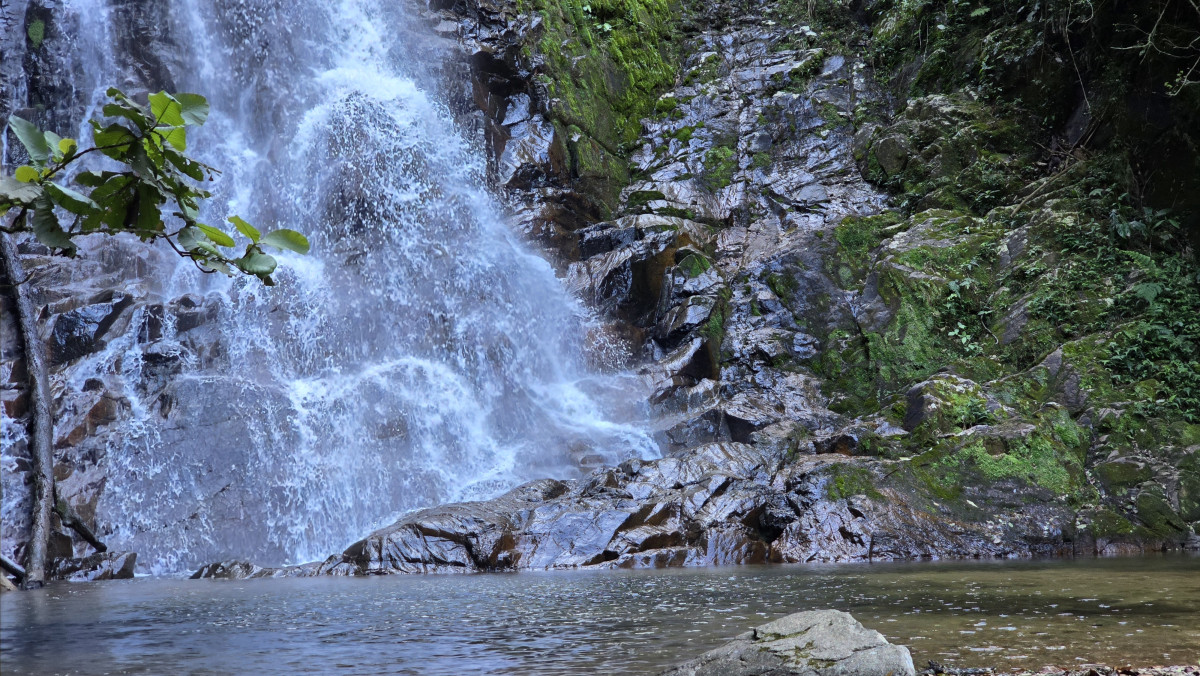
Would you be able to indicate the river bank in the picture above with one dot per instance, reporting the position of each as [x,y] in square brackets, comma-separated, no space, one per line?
[1087,670]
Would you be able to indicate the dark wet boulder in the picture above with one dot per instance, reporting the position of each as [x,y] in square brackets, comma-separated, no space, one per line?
[79,332]
[99,566]
[811,643]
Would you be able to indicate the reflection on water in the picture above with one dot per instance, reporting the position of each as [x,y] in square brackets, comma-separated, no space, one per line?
[1006,614]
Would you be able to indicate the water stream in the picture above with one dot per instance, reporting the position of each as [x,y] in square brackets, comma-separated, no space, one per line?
[1029,614]
[422,354]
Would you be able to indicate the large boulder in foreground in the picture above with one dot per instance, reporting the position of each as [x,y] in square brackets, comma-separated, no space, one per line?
[811,643]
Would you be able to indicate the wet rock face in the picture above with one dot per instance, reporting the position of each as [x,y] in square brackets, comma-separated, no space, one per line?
[90,313]
[811,643]
[714,504]
[719,262]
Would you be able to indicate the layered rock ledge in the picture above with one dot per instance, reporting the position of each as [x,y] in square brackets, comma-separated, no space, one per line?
[719,503]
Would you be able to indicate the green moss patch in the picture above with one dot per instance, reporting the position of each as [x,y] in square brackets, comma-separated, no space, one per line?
[846,480]
[37,33]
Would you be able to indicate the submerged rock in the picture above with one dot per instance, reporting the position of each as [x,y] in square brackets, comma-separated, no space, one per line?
[811,643]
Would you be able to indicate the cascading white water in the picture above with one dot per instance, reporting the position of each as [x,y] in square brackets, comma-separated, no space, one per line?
[421,354]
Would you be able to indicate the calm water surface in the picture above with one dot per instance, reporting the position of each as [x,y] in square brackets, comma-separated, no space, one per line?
[1009,614]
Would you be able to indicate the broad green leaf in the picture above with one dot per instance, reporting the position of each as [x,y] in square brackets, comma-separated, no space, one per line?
[149,217]
[117,197]
[46,227]
[193,108]
[216,235]
[218,266]
[109,187]
[30,137]
[27,174]
[114,140]
[52,141]
[93,179]
[143,167]
[14,191]
[136,115]
[189,237]
[208,248]
[287,239]
[176,136]
[256,263]
[245,228]
[114,93]
[190,212]
[166,109]
[70,200]
[188,166]
[67,146]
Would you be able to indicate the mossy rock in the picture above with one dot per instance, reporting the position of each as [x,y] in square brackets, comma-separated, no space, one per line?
[1189,486]
[603,173]
[944,403]
[1159,520]
[948,151]
[845,481]
[694,264]
[1108,524]
[1121,475]
[857,236]
[1045,453]
[604,65]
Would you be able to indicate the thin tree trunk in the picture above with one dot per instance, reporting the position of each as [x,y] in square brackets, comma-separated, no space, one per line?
[41,420]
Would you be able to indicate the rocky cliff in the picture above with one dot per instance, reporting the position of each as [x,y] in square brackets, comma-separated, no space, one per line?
[887,308]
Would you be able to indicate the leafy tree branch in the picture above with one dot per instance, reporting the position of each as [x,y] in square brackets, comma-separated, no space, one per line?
[156,181]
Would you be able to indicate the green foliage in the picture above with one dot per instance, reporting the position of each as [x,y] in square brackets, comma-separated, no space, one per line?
[1107,523]
[1130,273]
[1049,457]
[714,328]
[1160,346]
[707,71]
[858,235]
[157,181]
[608,62]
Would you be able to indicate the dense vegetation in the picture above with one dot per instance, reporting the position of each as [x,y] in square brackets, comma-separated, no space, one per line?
[1052,150]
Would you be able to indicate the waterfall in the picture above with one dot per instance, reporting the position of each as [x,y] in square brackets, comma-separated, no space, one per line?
[423,353]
